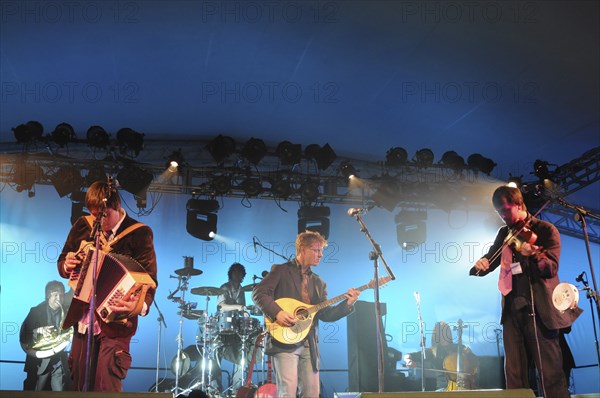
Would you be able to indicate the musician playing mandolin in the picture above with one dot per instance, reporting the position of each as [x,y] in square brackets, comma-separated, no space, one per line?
[296,364]
[527,252]
[119,234]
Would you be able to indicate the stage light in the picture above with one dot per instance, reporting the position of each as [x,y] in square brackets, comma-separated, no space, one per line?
[77,211]
[424,157]
[221,147]
[130,141]
[221,184]
[254,150]
[514,182]
[324,155]
[411,229]
[28,132]
[387,195]
[314,219]
[289,153]
[63,134]
[396,157]
[175,161]
[309,190]
[281,189]
[252,186]
[201,221]
[347,170]
[540,169]
[481,163]
[26,174]
[67,180]
[453,160]
[97,137]
[134,179]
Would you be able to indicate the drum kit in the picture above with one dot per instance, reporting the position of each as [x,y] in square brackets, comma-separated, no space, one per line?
[231,329]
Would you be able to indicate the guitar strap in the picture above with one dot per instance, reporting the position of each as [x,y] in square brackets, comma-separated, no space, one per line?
[106,245]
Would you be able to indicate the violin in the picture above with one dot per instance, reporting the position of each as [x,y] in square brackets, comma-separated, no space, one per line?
[519,234]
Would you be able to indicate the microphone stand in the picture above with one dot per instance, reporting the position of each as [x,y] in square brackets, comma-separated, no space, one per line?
[256,242]
[161,321]
[375,255]
[592,294]
[96,231]
[423,342]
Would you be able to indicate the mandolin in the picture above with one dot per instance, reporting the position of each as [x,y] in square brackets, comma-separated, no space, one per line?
[304,314]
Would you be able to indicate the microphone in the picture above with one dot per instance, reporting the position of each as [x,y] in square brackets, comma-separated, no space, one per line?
[355,211]
[580,277]
[254,244]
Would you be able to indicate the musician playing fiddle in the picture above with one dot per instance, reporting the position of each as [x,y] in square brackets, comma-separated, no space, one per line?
[118,233]
[527,251]
[297,365]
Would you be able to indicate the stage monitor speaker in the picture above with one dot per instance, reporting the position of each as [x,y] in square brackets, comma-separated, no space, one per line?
[517,393]
[362,347]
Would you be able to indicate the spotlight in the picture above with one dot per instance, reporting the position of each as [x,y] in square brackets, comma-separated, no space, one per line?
[453,160]
[97,137]
[175,161]
[411,229]
[309,190]
[252,186]
[95,173]
[130,141]
[63,134]
[28,132]
[221,185]
[77,211]
[323,155]
[67,180]
[254,150]
[540,169]
[202,219]
[514,182]
[481,163]
[289,153]
[134,179]
[314,219]
[281,189]
[424,157]
[347,170]
[221,148]
[26,174]
[396,157]
[387,196]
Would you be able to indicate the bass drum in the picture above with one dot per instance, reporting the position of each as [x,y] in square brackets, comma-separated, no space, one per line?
[267,390]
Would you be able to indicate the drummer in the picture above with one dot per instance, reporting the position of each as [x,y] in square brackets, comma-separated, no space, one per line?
[230,304]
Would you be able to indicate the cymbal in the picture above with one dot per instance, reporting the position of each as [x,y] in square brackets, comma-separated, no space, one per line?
[248,288]
[206,291]
[191,314]
[187,271]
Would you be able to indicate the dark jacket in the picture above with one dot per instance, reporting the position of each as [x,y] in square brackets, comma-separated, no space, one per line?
[285,280]
[542,271]
[137,244]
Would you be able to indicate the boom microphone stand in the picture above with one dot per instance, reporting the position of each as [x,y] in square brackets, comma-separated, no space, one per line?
[580,215]
[161,321]
[374,255]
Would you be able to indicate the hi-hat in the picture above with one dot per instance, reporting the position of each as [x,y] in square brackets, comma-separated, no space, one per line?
[188,271]
[207,291]
[188,268]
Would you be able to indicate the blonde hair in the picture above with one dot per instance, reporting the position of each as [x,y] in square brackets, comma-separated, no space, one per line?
[307,238]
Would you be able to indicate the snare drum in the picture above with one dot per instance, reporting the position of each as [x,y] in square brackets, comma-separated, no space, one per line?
[210,326]
[248,325]
[228,321]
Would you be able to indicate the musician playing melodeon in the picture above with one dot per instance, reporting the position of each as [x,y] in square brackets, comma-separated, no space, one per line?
[119,234]
[297,365]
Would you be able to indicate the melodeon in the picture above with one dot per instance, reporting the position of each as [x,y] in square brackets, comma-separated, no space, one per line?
[117,276]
